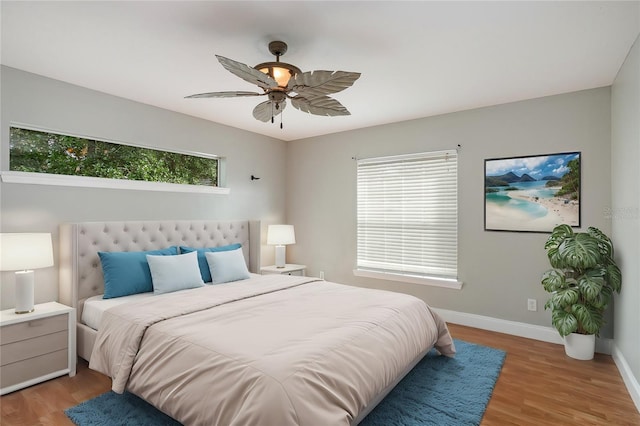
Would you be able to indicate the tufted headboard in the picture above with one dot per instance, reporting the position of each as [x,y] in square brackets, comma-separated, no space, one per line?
[80,270]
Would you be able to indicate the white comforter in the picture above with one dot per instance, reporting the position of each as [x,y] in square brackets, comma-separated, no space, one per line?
[270,350]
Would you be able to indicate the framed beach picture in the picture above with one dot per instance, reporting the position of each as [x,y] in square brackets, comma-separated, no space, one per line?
[532,193]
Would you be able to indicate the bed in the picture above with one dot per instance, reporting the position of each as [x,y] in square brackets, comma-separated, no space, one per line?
[264,350]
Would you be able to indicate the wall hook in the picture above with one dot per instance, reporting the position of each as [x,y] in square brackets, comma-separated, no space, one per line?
[254,178]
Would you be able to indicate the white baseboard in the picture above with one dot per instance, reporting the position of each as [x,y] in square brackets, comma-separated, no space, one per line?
[627,376]
[521,329]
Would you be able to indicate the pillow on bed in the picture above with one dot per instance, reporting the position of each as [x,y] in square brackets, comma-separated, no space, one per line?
[227,266]
[173,273]
[127,272]
[202,260]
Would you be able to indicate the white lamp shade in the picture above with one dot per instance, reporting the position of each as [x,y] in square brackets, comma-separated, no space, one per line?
[281,235]
[25,251]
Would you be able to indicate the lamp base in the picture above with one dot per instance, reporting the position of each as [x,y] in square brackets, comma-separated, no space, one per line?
[281,255]
[24,292]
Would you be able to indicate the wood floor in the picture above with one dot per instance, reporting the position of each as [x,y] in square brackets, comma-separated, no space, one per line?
[538,385]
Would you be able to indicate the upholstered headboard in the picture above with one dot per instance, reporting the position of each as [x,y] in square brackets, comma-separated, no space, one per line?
[80,270]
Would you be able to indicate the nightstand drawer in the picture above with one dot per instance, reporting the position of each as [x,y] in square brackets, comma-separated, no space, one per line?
[31,348]
[36,346]
[22,371]
[34,328]
[298,273]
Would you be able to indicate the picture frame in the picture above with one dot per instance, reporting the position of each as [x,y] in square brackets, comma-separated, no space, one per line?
[532,193]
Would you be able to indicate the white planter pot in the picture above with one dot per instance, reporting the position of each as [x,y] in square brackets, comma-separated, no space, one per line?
[580,346]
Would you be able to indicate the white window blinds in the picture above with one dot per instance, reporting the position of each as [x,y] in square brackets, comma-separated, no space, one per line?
[408,214]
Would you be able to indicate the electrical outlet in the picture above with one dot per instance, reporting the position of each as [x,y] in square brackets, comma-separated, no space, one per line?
[532,304]
[322,275]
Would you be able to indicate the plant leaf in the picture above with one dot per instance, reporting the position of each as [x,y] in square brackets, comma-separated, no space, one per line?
[590,284]
[313,84]
[554,280]
[565,322]
[564,298]
[554,257]
[603,299]
[549,305]
[323,105]
[614,277]
[559,234]
[580,251]
[604,243]
[589,318]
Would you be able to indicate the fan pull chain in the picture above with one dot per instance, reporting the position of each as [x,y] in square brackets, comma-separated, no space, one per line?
[281,114]
[272,113]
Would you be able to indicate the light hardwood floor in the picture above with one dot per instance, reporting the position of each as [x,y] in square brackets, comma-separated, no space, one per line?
[538,385]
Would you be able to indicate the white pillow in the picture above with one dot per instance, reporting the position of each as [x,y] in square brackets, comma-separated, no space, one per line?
[173,273]
[226,266]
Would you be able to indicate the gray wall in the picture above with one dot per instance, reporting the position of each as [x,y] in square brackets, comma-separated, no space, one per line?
[51,104]
[625,158]
[500,270]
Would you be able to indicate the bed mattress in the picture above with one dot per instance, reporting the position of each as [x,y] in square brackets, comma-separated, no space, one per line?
[95,306]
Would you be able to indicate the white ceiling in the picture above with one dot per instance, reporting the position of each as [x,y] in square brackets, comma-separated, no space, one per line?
[417,59]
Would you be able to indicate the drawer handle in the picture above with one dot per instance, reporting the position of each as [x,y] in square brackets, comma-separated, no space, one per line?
[35,323]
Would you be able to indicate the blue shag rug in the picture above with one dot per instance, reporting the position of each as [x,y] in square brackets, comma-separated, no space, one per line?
[438,391]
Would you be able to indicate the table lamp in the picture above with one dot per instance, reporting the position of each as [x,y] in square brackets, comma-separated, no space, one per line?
[280,235]
[24,252]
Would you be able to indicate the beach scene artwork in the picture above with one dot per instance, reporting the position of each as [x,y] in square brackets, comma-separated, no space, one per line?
[532,193]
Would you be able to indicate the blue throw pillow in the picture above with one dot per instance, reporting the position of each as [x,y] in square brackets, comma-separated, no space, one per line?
[202,260]
[127,272]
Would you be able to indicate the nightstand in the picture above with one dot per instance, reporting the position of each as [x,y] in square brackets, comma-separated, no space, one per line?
[37,346]
[289,269]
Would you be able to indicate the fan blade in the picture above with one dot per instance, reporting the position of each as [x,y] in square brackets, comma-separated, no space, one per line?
[323,105]
[247,73]
[267,109]
[312,84]
[224,95]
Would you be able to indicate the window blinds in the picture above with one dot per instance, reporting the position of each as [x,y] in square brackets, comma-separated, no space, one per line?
[407,214]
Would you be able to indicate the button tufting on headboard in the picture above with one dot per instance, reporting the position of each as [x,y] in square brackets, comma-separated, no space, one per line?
[80,269]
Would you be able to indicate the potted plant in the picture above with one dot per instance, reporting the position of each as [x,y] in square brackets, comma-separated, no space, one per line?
[581,282]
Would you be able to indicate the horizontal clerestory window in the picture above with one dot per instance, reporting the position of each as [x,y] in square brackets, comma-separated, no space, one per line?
[35,154]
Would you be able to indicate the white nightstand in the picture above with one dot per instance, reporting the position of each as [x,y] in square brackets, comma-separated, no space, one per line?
[289,269]
[37,346]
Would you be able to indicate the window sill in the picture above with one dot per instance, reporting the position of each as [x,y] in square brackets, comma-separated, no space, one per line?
[94,182]
[413,279]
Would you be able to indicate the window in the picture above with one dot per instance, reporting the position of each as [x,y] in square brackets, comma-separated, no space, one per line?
[407,218]
[59,157]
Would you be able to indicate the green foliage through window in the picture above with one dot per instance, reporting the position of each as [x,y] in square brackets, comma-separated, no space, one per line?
[43,152]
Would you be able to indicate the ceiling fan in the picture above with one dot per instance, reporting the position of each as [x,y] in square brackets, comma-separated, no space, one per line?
[278,80]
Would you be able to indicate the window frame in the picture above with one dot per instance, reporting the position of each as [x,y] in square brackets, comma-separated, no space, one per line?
[405,275]
[35,178]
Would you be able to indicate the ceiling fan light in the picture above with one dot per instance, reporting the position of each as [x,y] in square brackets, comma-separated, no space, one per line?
[281,72]
[282,76]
